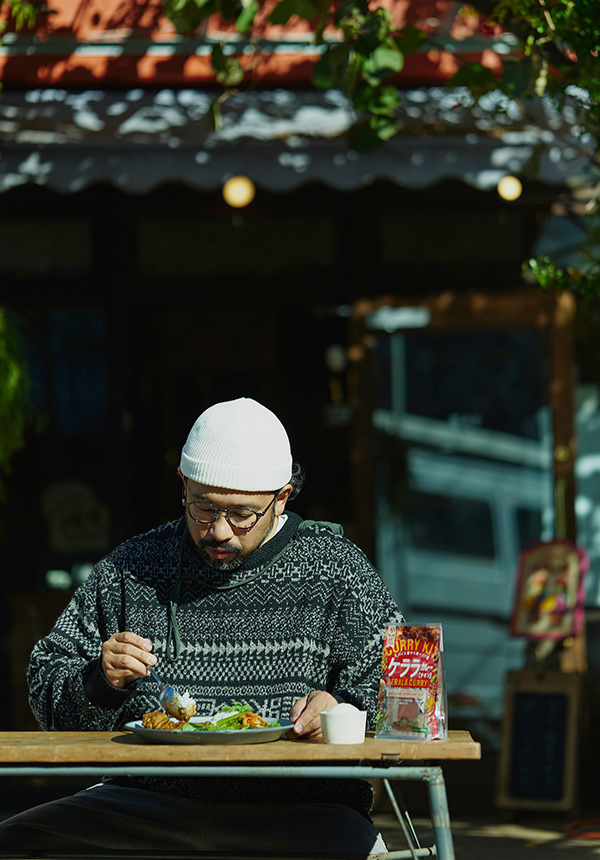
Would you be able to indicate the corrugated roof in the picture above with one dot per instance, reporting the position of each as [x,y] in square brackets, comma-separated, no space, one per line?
[137,139]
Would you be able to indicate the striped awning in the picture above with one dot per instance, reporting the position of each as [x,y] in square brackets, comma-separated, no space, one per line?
[138,139]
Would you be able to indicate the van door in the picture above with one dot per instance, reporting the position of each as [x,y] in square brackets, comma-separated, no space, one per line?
[455,448]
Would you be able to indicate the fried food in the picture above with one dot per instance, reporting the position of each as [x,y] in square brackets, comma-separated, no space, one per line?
[233,718]
[159,720]
[254,721]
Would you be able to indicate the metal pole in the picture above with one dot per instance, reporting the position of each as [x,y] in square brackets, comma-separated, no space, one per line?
[403,817]
[440,815]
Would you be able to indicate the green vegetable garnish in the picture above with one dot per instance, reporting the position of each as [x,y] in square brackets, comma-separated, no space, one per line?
[231,722]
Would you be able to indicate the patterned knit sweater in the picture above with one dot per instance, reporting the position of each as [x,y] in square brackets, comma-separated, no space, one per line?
[306,612]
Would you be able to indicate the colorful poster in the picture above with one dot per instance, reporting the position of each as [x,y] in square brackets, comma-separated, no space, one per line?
[550,592]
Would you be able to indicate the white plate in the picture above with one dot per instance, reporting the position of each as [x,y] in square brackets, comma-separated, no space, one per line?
[234,736]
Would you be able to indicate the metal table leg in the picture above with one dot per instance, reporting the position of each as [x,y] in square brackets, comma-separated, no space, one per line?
[440,815]
[432,776]
[401,812]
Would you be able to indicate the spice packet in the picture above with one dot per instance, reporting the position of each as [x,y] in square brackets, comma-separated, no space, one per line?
[412,691]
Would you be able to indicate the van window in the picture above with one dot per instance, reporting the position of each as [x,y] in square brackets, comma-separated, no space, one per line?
[458,526]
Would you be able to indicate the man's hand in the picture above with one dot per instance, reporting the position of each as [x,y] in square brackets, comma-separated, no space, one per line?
[126,657]
[305,714]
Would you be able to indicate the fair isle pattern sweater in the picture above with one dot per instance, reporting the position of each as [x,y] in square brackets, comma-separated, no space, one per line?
[306,612]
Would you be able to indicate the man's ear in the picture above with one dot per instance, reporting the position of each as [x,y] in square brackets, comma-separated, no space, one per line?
[282,498]
[182,476]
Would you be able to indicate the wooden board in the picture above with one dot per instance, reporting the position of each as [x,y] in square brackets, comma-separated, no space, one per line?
[115,747]
[538,756]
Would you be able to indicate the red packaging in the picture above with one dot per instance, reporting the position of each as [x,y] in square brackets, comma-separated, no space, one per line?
[412,693]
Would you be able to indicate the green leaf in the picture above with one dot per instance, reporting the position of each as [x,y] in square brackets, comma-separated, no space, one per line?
[476,78]
[233,74]
[219,61]
[285,9]
[228,70]
[384,61]
[362,138]
[16,410]
[517,76]
[229,9]
[368,134]
[373,28]
[362,97]
[546,272]
[187,15]
[246,17]
[384,127]
[330,68]
[380,100]
[384,100]
[215,117]
[410,40]
[323,74]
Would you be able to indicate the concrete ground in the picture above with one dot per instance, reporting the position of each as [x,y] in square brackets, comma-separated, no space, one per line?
[496,837]
[483,831]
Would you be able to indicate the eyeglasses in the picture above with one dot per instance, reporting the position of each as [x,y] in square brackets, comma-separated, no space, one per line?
[239,518]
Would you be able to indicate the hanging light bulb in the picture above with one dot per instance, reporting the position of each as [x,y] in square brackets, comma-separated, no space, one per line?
[238,191]
[509,188]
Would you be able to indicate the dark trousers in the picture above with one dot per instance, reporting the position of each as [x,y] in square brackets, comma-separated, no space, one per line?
[110,817]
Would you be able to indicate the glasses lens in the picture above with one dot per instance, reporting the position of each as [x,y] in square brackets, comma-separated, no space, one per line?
[242,518]
[203,513]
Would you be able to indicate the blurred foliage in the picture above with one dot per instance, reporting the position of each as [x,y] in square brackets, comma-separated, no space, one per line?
[16,411]
[367,54]
[549,275]
[561,46]
[23,14]
[582,276]
[562,40]
[558,46]
[559,41]
[556,56]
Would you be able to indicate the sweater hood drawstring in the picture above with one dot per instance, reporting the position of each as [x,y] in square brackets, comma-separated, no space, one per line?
[173,636]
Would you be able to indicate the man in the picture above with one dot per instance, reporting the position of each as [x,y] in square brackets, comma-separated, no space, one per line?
[238,600]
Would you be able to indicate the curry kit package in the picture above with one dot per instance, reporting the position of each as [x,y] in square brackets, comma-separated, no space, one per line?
[412,690]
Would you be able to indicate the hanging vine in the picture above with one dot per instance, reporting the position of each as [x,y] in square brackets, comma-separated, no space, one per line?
[558,58]
[16,411]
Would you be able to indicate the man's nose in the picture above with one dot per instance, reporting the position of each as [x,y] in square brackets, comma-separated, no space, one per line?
[221,527]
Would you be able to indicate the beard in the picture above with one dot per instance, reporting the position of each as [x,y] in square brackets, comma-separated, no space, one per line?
[239,559]
[217,564]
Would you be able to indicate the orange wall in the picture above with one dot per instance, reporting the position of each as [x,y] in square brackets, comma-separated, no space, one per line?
[123,43]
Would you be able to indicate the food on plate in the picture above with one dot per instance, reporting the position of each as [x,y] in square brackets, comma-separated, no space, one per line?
[251,720]
[160,720]
[186,707]
[229,718]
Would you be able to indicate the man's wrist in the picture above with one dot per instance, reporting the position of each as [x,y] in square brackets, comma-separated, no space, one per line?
[98,688]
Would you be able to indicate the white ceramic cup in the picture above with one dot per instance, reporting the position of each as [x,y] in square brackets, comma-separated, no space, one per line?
[343,724]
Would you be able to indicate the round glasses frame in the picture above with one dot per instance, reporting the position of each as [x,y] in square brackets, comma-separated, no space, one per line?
[216,513]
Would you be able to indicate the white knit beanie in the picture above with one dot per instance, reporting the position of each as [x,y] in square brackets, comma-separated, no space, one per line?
[239,445]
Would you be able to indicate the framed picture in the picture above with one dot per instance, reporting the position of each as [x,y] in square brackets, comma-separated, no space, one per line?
[550,591]
[539,748]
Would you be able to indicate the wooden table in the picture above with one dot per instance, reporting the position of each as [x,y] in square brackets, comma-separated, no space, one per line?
[125,754]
